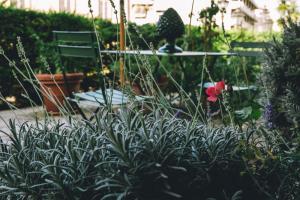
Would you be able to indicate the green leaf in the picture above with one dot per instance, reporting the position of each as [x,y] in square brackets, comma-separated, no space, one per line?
[244,113]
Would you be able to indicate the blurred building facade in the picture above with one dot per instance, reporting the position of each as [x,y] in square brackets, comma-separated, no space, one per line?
[243,14]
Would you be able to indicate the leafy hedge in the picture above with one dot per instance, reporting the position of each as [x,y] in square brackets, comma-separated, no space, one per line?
[35,29]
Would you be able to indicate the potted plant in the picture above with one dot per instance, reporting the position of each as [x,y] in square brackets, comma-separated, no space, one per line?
[55,87]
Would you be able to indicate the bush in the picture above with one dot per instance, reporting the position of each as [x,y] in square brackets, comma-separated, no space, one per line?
[281,78]
[134,156]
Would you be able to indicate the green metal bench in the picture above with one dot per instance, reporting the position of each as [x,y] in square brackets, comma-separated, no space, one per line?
[249,49]
[83,44]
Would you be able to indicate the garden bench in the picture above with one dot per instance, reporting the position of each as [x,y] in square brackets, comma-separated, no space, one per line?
[249,49]
[83,44]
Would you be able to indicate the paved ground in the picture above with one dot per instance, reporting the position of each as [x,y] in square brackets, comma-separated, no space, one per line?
[21,116]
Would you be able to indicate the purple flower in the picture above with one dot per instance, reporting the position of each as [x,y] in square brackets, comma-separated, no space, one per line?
[269,115]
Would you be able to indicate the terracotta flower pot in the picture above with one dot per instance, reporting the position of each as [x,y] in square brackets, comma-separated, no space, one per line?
[163,82]
[136,88]
[54,84]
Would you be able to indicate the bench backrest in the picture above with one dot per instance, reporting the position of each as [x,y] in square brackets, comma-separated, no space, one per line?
[249,49]
[80,44]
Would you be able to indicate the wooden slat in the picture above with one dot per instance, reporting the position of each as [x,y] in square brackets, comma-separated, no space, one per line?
[115,93]
[156,53]
[243,88]
[250,53]
[115,97]
[77,51]
[254,45]
[97,99]
[87,97]
[74,36]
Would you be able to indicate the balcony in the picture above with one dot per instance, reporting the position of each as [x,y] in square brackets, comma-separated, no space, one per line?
[250,4]
[141,8]
[244,9]
[250,13]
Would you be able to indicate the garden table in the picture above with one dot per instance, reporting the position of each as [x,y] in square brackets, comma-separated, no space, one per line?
[180,56]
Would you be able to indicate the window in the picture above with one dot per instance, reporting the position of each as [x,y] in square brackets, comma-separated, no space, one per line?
[65,5]
[140,10]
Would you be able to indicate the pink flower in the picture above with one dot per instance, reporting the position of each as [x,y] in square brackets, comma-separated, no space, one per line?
[215,91]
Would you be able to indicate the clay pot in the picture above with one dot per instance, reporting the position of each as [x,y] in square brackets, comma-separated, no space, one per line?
[54,84]
[163,82]
[136,88]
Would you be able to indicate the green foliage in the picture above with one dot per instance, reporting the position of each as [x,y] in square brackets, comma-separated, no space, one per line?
[288,9]
[35,30]
[131,155]
[140,34]
[250,112]
[281,78]
[209,26]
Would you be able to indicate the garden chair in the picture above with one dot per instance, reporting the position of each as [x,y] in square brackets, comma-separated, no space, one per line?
[82,44]
[249,49]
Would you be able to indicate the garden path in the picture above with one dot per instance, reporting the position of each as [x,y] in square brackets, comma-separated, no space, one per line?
[23,115]
[20,115]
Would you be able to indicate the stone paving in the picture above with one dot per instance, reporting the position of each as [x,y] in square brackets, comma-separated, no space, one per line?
[19,115]
[24,115]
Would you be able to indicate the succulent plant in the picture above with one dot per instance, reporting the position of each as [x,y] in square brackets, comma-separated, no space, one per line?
[130,155]
[170,26]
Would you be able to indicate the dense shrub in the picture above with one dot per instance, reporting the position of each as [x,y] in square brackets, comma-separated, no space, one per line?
[281,78]
[130,155]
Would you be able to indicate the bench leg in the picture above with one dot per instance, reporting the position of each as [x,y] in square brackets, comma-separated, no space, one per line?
[76,106]
[94,113]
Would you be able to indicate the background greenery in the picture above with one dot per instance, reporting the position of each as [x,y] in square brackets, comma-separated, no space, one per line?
[35,30]
[159,155]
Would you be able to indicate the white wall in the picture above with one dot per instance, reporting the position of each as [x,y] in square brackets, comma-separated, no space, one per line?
[42,5]
[183,7]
